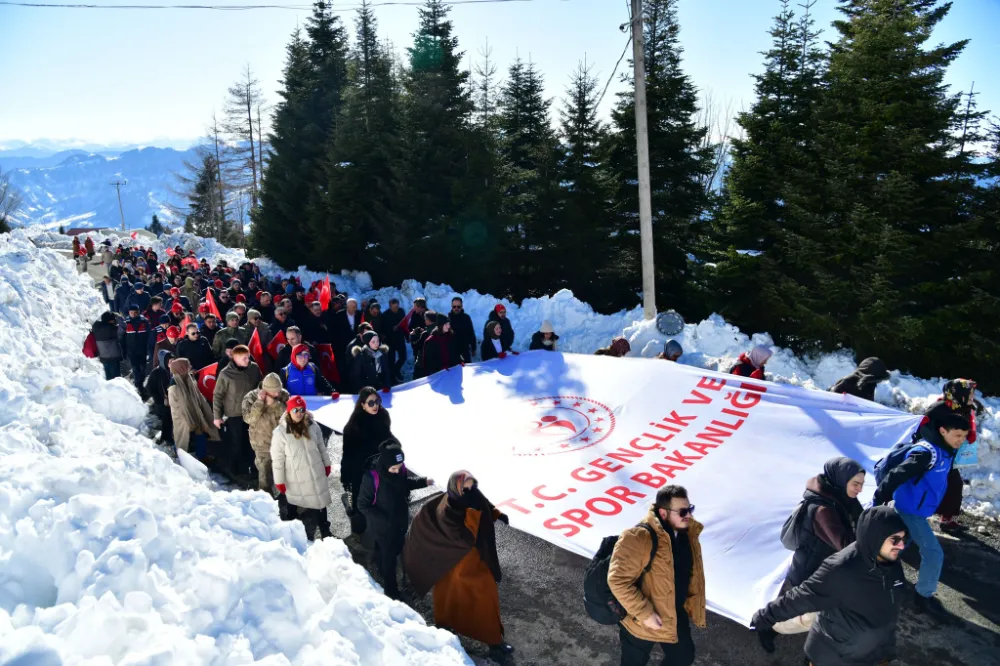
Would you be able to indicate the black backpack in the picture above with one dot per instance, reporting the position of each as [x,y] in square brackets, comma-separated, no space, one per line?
[601,605]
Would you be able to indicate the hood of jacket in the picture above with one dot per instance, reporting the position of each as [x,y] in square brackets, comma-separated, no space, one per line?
[163,359]
[874,526]
[871,370]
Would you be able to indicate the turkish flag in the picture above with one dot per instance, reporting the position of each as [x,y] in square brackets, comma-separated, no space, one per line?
[256,349]
[279,341]
[184,324]
[171,252]
[134,235]
[190,262]
[324,293]
[213,308]
[206,380]
[328,364]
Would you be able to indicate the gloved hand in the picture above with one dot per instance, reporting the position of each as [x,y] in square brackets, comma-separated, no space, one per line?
[504,518]
[335,395]
[281,488]
[327,470]
[758,623]
[386,389]
[502,355]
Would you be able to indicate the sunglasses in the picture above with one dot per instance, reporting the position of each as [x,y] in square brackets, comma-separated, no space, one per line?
[372,403]
[194,333]
[298,410]
[456,307]
[897,540]
[683,513]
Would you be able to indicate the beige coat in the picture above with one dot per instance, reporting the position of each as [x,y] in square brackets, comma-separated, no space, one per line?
[232,384]
[182,427]
[263,419]
[629,559]
[300,465]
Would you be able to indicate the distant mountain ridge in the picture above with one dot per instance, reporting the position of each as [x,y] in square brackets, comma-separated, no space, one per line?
[73,188]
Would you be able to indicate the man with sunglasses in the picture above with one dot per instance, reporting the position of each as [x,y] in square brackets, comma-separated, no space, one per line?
[195,349]
[672,593]
[857,593]
[463,331]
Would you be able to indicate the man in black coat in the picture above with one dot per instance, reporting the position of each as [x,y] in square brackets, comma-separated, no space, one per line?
[135,340]
[862,382]
[345,329]
[461,328]
[392,320]
[857,593]
[195,349]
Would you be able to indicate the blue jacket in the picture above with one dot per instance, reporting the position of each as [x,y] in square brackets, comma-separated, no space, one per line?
[135,298]
[927,466]
[307,381]
[122,293]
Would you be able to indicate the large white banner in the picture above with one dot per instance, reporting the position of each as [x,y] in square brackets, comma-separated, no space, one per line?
[573,448]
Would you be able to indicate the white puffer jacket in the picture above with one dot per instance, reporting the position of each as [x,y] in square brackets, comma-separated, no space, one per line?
[300,465]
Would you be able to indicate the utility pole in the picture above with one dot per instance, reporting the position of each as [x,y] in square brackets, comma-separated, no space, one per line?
[642,150]
[118,188]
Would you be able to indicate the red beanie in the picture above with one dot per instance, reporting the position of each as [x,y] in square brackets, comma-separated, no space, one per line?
[173,332]
[203,307]
[258,294]
[240,298]
[174,291]
[177,307]
[296,401]
[218,284]
[296,350]
[499,307]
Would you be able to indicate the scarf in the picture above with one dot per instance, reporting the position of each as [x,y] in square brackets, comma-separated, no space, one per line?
[191,397]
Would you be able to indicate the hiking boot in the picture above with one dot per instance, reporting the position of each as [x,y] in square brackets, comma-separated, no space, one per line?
[499,653]
[931,606]
[766,638]
[950,525]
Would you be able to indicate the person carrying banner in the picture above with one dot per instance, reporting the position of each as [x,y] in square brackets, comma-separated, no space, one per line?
[862,382]
[917,483]
[618,348]
[672,593]
[190,412]
[493,342]
[368,426]
[384,500]
[301,466]
[857,593]
[545,338]
[452,548]
[822,524]
[672,351]
[752,364]
[499,315]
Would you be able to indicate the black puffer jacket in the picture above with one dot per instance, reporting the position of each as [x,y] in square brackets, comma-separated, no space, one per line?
[108,344]
[827,527]
[387,508]
[862,382]
[857,597]
[362,436]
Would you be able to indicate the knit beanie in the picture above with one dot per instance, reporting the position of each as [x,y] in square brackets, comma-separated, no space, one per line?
[294,402]
[173,332]
[499,307]
[391,453]
[272,382]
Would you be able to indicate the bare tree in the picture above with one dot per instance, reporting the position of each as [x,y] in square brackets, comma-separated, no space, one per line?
[10,201]
[485,87]
[718,119]
[243,132]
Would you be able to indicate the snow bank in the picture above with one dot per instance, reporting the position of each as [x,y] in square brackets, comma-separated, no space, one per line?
[712,344]
[111,554]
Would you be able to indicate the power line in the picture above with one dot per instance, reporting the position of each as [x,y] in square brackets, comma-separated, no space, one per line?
[621,57]
[387,3]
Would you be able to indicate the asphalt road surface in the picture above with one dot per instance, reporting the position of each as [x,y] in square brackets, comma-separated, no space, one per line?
[542,609]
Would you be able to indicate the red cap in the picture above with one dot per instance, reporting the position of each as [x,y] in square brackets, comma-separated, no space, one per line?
[258,295]
[218,284]
[310,297]
[173,332]
[240,298]
[203,307]
[177,307]
[296,401]
[499,307]
[174,291]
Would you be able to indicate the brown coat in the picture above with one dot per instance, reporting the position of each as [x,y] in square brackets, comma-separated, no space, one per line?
[232,384]
[183,425]
[263,419]
[629,559]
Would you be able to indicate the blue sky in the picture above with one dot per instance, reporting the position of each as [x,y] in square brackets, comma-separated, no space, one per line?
[136,75]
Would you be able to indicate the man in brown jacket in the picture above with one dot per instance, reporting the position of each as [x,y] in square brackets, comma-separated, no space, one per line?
[672,593]
[231,386]
[262,410]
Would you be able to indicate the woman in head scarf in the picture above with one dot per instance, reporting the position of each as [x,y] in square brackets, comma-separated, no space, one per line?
[862,382]
[752,364]
[189,410]
[672,351]
[452,547]
[824,523]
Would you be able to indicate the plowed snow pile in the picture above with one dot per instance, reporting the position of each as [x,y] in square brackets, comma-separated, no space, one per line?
[111,554]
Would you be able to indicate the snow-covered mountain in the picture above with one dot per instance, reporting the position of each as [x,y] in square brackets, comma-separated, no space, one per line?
[73,188]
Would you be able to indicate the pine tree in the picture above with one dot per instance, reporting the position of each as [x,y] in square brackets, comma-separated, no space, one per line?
[203,218]
[531,149]
[766,277]
[678,162]
[279,224]
[436,193]
[894,193]
[353,223]
[586,257]
[156,227]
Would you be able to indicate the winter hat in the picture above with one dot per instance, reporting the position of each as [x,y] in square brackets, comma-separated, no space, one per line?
[672,348]
[296,401]
[368,337]
[232,315]
[233,343]
[108,318]
[290,288]
[441,319]
[272,382]
[299,349]
[218,284]
[620,346]
[499,307]
[258,295]
[177,307]
[174,291]
[173,332]
[546,327]
[759,355]
[241,306]
[133,307]
[240,298]
[139,285]
[164,319]
[203,307]
[391,453]
[252,313]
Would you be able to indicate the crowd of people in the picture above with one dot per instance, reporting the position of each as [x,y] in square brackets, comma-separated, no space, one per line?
[845,581]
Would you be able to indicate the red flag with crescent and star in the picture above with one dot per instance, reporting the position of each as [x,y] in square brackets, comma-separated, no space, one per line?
[213,308]
[279,341]
[328,364]
[256,349]
[206,380]
[324,293]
